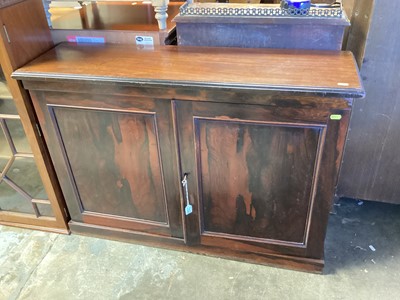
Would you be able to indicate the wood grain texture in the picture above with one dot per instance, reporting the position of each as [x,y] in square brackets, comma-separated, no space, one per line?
[256,178]
[233,180]
[260,35]
[6,3]
[331,73]
[283,99]
[115,162]
[371,162]
[240,121]
[258,20]
[31,222]
[260,32]
[28,37]
[27,31]
[328,173]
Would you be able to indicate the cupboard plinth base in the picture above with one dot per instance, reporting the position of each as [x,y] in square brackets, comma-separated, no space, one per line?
[269,259]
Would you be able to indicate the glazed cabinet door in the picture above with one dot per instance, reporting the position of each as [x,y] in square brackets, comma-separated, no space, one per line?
[116,160]
[257,175]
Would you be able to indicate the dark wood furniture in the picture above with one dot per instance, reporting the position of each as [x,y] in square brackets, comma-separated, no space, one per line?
[371,163]
[258,133]
[259,26]
[24,36]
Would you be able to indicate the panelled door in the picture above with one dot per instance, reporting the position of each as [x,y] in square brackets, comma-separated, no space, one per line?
[115,159]
[253,175]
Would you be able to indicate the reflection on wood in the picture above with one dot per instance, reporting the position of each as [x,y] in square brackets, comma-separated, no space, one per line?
[112,16]
[256,178]
[115,162]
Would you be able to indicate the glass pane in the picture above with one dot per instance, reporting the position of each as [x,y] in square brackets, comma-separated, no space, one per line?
[5,151]
[3,162]
[4,91]
[18,136]
[45,210]
[7,106]
[10,200]
[25,174]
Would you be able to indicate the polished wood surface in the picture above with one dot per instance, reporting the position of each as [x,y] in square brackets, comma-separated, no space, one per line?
[6,3]
[262,157]
[213,28]
[259,175]
[25,36]
[115,160]
[329,73]
[264,35]
[371,163]
[26,33]
[248,191]
[119,171]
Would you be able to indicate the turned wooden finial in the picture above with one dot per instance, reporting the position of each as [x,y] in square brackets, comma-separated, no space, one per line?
[160,7]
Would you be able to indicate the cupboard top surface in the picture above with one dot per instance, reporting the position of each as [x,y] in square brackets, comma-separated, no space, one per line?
[327,72]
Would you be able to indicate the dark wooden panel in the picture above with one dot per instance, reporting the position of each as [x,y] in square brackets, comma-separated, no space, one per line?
[325,138]
[114,160]
[25,31]
[297,114]
[252,35]
[265,69]
[371,162]
[327,180]
[284,99]
[272,110]
[301,183]
[6,3]
[105,120]
[183,123]
[256,178]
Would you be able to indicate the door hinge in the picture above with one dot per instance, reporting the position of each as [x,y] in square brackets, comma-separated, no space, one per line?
[38,129]
[66,213]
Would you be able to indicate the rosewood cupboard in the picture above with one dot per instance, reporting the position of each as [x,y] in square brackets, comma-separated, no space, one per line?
[228,152]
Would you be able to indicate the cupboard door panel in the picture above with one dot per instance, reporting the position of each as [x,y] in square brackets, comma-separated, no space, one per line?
[256,178]
[115,162]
